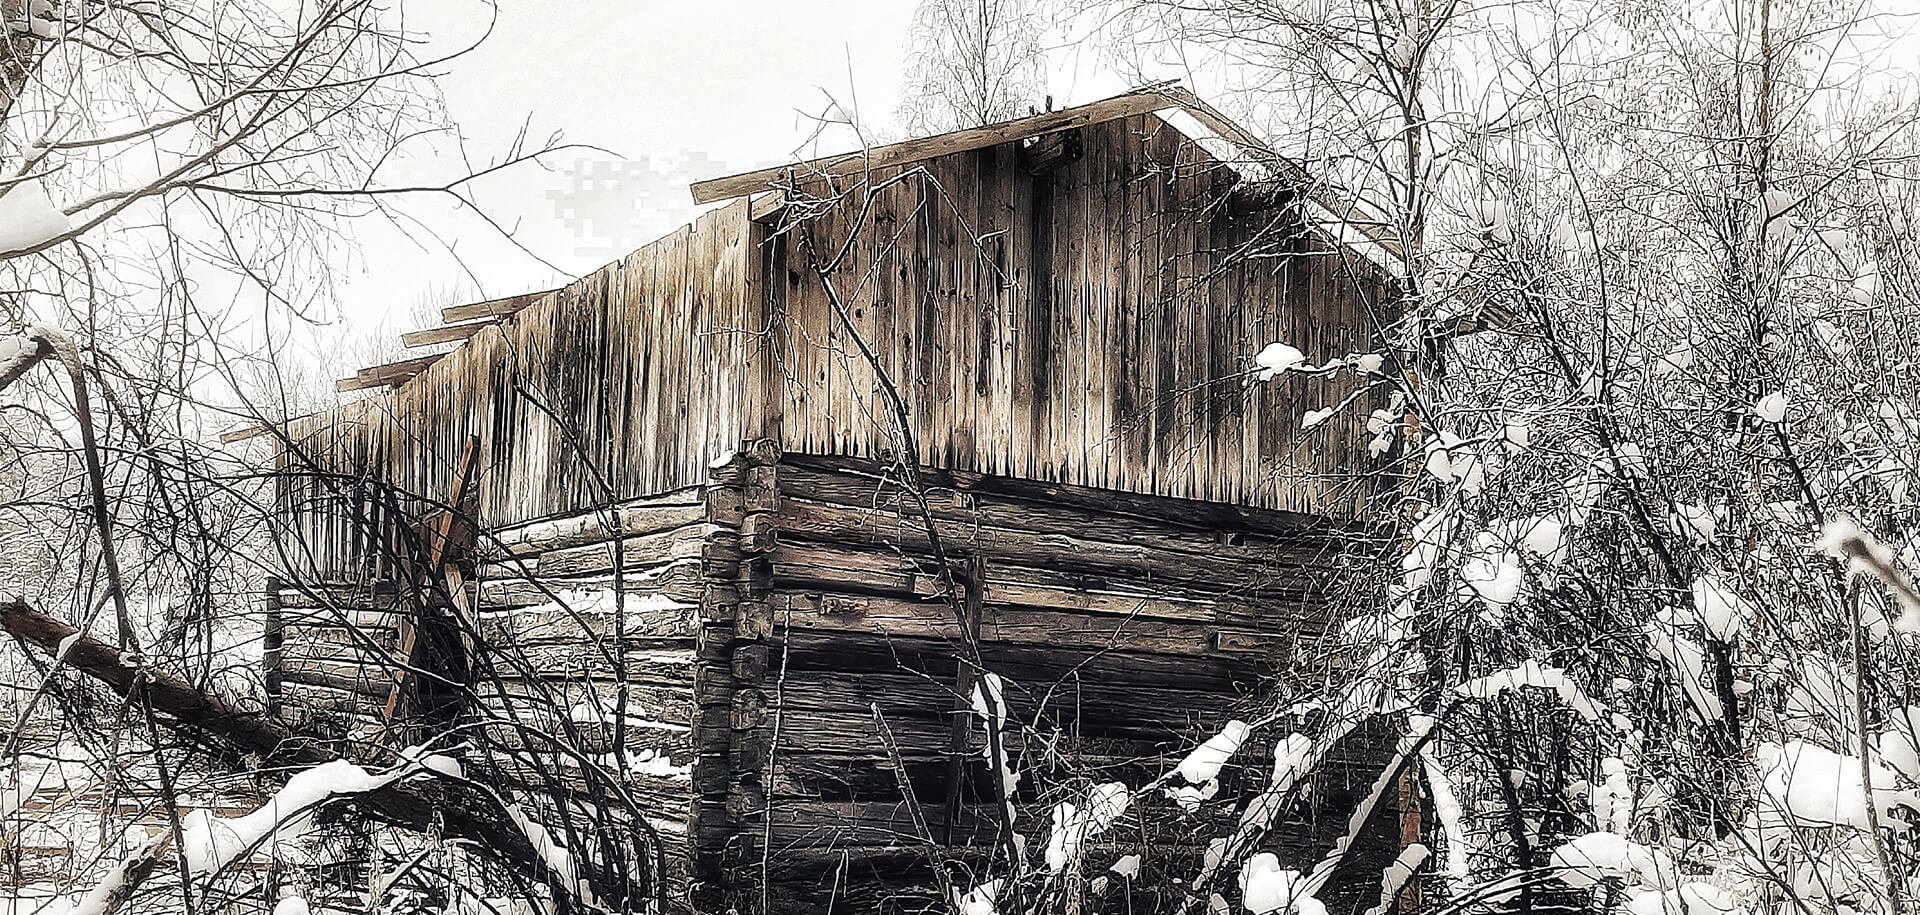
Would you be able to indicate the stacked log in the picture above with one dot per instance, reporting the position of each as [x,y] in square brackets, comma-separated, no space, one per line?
[791,651]
[1125,630]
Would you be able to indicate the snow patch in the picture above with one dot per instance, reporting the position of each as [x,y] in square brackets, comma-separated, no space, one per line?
[1396,876]
[211,843]
[981,900]
[1265,887]
[554,854]
[1533,673]
[1597,856]
[28,217]
[1073,826]
[1277,359]
[1803,784]
[1203,764]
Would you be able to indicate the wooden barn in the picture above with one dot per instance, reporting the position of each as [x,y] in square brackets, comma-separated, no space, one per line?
[766,514]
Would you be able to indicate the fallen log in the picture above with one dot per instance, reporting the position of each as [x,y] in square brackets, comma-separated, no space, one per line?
[187,707]
[454,808]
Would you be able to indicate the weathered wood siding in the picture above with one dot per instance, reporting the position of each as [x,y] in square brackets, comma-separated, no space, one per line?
[1093,325]
[1097,333]
[1153,532]
[626,383]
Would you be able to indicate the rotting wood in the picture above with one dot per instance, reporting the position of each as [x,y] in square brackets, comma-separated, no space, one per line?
[387,374]
[433,572]
[1132,538]
[493,308]
[451,333]
[1046,152]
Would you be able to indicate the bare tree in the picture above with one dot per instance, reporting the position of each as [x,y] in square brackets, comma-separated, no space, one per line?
[176,184]
[973,62]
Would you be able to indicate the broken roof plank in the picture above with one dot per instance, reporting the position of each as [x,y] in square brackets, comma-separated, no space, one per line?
[391,373]
[243,433]
[766,206]
[1143,101]
[451,333]
[493,308]
[1345,210]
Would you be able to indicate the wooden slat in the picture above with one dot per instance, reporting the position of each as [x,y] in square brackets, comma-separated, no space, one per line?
[493,308]
[451,333]
[391,373]
[767,206]
[242,434]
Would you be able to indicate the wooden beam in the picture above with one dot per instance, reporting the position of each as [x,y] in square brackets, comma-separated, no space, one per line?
[1142,101]
[1337,212]
[1343,212]
[391,373]
[439,530]
[764,207]
[493,308]
[451,333]
[1050,151]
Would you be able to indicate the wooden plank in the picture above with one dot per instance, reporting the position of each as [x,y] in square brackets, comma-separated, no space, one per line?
[767,207]
[451,333]
[439,541]
[494,308]
[1225,567]
[1007,625]
[919,150]
[243,433]
[390,373]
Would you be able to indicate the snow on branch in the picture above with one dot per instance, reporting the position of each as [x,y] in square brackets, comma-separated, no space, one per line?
[1843,539]
[28,217]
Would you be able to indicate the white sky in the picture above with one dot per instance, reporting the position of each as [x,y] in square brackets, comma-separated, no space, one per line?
[675,90]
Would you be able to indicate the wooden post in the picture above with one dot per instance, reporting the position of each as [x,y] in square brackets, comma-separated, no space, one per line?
[963,683]
[1410,833]
[440,527]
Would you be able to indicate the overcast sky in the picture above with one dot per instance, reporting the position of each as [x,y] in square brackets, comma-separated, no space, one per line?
[675,91]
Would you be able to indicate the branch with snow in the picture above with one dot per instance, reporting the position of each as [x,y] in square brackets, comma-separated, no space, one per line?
[1844,539]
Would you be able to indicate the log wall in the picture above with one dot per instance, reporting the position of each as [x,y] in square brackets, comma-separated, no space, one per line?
[793,668]
[542,715]
[1125,630]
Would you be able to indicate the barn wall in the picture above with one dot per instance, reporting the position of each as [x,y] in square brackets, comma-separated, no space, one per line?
[1125,629]
[788,642]
[1098,333]
[626,383]
[550,659]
